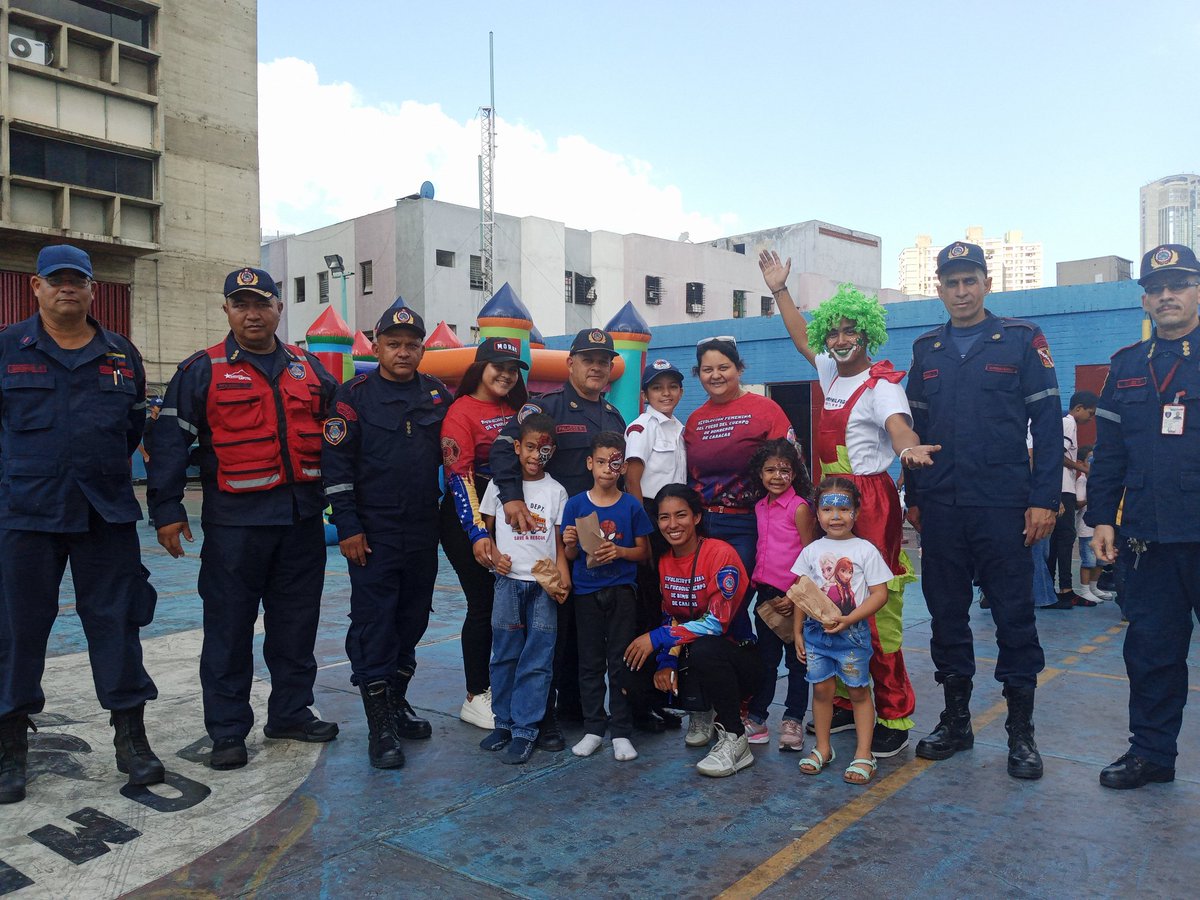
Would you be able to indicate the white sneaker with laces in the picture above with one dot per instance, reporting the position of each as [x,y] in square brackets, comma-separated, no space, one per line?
[700,729]
[731,754]
[477,711]
[1101,595]
[1087,593]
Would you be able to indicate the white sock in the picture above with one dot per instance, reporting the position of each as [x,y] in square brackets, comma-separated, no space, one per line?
[589,745]
[623,749]
[1085,590]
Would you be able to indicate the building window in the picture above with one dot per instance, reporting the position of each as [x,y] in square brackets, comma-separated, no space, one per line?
[453,328]
[477,273]
[654,290]
[768,305]
[323,287]
[366,276]
[474,334]
[739,304]
[370,335]
[585,290]
[298,289]
[569,287]
[39,157]
[103,18]
[739,248]
[445,258]
[695,298]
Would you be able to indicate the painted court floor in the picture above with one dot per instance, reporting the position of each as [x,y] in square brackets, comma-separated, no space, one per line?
[305,820]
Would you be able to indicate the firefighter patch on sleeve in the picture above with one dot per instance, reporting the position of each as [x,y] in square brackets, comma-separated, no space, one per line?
[335,431]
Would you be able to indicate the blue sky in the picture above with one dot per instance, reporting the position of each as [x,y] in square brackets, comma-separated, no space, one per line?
[892,118]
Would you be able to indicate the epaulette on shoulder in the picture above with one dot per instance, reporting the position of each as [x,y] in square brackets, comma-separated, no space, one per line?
[356,382]
[931,333]
[434,381]
[1017,323]
[545,394]
[1128,347]
[199,354]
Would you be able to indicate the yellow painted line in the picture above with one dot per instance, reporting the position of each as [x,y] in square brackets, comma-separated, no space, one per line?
[308,815]
[1116,629]
[1070,660]
[1100,639]
[1087,648]
[767,873]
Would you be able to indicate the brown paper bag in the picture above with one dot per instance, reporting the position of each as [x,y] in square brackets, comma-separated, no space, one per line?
[812,601]
[546,574]
[781,625]
[590,537]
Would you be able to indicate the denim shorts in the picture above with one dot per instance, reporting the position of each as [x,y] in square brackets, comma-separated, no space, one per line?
[846,654]
[1087,556]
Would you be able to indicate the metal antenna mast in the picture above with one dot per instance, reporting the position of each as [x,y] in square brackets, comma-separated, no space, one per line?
[487,161]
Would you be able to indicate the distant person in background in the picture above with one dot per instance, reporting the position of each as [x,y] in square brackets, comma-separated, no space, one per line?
[1082,410]
[1089,569]
[153,408]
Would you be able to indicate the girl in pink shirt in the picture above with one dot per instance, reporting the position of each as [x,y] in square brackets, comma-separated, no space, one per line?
[785,525]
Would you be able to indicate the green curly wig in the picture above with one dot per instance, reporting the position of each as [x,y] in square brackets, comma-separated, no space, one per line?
[867,313]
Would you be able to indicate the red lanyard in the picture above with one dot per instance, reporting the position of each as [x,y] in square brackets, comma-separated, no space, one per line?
[1159,388]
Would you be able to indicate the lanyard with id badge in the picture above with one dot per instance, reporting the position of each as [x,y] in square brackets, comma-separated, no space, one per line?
[1173,413]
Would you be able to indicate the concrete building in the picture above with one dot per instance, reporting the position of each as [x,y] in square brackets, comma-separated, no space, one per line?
[130,128]
[1170,212]
[1014,264]
[1097,270]
[428,252]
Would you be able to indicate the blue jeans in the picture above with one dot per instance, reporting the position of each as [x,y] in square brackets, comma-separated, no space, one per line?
[770,649]
[524,628]
[740,531]
[1043,582]
[846,654]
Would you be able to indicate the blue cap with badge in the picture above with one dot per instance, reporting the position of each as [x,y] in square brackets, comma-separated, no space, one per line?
[593,339]
[961,253]
[256,281]
[1168,258]
[659,367]
[399,315]
[57,257]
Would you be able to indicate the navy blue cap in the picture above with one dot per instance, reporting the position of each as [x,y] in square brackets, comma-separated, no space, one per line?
[498,350]
[1168,258]
[961,252]
[63,256]
[254,280]
[659,367]
[155,401]
[593,339]
[399,315]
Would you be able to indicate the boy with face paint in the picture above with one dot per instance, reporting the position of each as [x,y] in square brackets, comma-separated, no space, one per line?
[864,424]
[524,616]
[605,594]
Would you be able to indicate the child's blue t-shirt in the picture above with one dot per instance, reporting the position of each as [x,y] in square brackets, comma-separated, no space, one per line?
[622,523]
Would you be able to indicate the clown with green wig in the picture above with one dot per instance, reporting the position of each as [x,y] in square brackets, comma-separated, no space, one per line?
[864,425]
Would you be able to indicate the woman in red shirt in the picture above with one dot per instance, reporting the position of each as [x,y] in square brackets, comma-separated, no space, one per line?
[489,394]
[704,649]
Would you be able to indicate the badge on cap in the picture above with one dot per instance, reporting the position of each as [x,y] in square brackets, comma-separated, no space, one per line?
[335,431]
[247,277]
[527,410]
[661,364]
[1164,256]
[598,337]
[402,317]
[296,370]
[956,251]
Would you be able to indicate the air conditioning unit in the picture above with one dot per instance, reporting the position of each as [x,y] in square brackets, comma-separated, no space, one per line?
[29,50]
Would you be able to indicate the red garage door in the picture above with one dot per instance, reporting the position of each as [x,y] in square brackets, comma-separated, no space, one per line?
[110,302]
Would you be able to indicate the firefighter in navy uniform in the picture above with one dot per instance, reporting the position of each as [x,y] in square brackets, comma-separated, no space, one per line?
[580,412]
[381,456]
[72,409]
[1148,450]
[975,385]
[255,406]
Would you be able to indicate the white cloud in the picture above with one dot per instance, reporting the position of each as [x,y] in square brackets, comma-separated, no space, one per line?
[364,157]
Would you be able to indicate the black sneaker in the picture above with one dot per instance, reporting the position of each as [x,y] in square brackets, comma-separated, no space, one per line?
[517,752]
[228,753]
[314,731]
[497,740]
[843,720]
[1061,603]
[888,742]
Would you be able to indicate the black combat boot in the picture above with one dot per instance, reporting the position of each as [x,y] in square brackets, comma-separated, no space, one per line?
[954,727]
[134,756]
[383,745]
[408,724]
[14,755]
[1024,761]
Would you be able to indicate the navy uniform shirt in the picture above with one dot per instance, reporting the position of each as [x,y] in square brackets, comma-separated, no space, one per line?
[380,457]
[183,423]
[1158,474]
[69,421]
[576,420]
[978,409]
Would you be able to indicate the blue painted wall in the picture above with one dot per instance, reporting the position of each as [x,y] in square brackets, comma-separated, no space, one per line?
[1085,325]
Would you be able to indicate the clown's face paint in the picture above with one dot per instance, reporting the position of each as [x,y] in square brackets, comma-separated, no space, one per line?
[607,465]
[848,346]
[534,451]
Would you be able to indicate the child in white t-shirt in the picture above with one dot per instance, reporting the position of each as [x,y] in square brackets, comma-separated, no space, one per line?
[853,574]
[524,616]
[1089,570]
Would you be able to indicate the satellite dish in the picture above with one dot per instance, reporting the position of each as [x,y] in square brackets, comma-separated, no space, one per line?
[427,190]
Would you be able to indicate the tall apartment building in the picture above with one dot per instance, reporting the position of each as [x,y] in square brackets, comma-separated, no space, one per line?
[1014,264]
[130,128]
[1170,212]
[428,252]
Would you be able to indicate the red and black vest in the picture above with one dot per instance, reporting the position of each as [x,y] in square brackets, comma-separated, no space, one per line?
[264,434]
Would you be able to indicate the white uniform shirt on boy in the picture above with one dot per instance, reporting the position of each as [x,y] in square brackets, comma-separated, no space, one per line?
[657,440]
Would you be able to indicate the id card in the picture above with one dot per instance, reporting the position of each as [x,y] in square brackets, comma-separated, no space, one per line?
[1172,418]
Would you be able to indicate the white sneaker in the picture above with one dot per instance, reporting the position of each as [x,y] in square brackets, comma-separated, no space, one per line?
[1085,591]
[478,711]
[731,754]
[1098,594]
[700,729]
